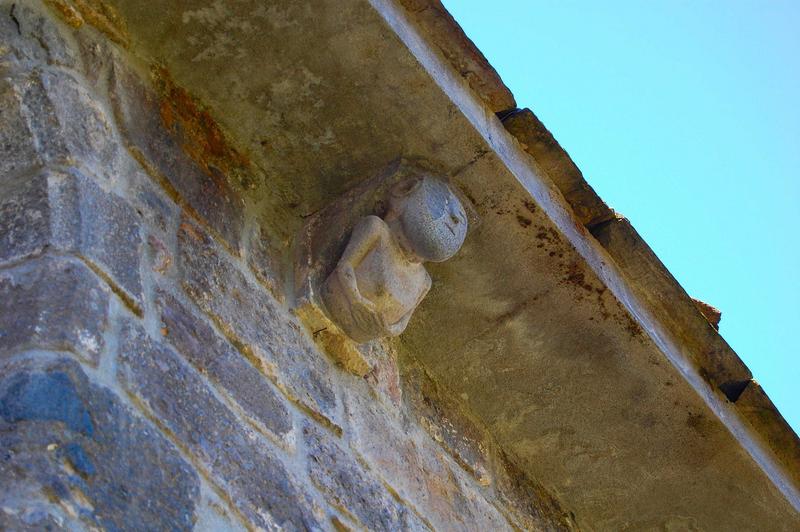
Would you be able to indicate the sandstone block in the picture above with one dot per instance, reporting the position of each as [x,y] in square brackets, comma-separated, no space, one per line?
[256,479]
[75,457]
[53,303]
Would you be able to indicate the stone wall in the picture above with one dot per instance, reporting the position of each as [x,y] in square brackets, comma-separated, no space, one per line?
[151,374]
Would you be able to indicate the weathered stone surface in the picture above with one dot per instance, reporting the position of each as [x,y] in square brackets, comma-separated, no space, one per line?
[25,217]
[73,454]
[416,469]
[70,212]
[106,230]
[214,514]
[384,373]
[666,298]
[143,117]
[17,144]
[528,502]
[156,209]
[226,367]
[347,485]
[759,410]
[441,416]
[535,139]
[30,38]
[248,313]
[444,32]
[53,303]
[263,255]
[68,122]
[255,478]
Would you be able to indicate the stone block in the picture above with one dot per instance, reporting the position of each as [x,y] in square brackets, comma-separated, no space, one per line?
[263,255]
[446,423]
[347,485]
[247,313]
[108,230]
[30,38]
[256,480]
[25,215]
[70,212]
[526,502]
[142,114]
[49,117]
[223,365]
[18,151]
[75,457]
[68,122]
[758,409]
[53,303]
[443,32]
[664,297]
[538,142]
[416,468]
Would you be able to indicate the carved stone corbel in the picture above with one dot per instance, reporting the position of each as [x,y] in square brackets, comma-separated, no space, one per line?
[359,262]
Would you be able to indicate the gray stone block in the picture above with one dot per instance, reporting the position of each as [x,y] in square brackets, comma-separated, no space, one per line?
[49,117]
[31,38]
[105,229]
[208,192]
[25,215]
[70,212]
[247,311]
[220,362]
[263,255]
[66,121]
[53,303]
[74,456]
[256,480]
[346,484]
[18,150]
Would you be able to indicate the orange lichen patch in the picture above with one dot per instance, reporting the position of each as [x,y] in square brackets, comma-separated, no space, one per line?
[105,18]
[199,134]
[66,12]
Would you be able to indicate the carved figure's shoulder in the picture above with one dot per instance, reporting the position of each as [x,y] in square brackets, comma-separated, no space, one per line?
[371,224]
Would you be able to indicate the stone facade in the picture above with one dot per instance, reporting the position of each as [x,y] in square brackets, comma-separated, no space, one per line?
[151,373]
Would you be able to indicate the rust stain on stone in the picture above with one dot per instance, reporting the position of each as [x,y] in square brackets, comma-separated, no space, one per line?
[66,12]
[96,13]
[105,18]
[198,133]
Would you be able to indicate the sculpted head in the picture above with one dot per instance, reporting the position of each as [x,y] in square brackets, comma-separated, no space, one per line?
[427,218]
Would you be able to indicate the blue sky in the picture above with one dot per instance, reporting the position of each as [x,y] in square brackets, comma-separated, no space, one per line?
[685,117]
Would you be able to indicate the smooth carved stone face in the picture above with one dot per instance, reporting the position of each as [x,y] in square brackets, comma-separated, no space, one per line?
[380,279]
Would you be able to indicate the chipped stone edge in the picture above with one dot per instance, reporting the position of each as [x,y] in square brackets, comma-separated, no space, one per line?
[550,199]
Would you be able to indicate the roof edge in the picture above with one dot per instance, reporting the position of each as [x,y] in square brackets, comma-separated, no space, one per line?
[755,423]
